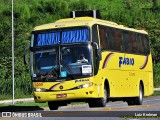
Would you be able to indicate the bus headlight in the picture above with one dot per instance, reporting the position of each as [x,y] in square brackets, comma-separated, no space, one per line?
[86,85]
[39,89]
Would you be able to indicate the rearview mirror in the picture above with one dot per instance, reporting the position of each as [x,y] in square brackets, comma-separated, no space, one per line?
[25,58]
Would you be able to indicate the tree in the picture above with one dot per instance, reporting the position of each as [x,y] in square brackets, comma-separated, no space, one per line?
[155,4]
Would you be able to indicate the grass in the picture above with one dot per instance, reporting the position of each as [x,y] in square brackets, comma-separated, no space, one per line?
[31,104]
[22,107]
[9,97]
[26,104]
[156,93]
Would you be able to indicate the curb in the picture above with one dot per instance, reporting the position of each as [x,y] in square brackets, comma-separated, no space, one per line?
[17,100]
[156,89]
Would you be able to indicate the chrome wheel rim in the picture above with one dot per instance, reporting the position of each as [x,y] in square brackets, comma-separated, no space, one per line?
[140,94]
[105,96]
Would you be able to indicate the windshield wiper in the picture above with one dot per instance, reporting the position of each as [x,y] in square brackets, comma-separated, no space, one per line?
[68,68]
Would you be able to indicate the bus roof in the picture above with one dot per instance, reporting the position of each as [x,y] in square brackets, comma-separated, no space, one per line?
[84,21]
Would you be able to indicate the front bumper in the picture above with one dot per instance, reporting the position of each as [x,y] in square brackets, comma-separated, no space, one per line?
[68,95]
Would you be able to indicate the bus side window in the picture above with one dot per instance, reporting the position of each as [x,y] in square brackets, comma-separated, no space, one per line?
[111,38]
[145,44]
[140,44]
[126,41]
[133,42]
[137,46]
[118,39]
[103,41]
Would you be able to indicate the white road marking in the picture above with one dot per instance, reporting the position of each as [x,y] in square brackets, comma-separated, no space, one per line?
[151,100]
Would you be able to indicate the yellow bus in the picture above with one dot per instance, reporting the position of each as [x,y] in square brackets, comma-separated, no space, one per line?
[92,60]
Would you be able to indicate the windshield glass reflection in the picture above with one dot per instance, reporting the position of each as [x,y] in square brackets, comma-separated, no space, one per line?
[67,61]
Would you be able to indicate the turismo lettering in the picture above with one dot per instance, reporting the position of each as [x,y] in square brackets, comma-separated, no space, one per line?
[126,61]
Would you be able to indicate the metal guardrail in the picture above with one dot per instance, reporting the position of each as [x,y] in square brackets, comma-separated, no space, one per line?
[156,89]
[17,100]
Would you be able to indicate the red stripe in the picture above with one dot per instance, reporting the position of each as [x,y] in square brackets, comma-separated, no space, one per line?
[106,59]
[145,63]
[53,86]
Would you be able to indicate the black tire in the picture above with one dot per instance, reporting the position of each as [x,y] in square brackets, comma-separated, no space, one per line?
[99,102]
[53,105]
[137,100]
[130,101]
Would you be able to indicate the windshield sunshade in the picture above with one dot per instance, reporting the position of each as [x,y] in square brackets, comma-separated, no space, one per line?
[64,37]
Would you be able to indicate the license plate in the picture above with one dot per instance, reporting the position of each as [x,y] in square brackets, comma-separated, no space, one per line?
[61,95]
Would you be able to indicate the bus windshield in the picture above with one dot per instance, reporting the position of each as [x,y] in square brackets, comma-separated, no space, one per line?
[65,61]
[44,61]
[76,60]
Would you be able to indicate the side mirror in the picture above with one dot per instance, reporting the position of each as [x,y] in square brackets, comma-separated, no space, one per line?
[95,45]
[25,56]
[99,54]
[97,50]
[25,59]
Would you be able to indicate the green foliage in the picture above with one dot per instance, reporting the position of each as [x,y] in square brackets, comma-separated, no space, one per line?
[78,5]
[140,14]
[22,77]
[156,69]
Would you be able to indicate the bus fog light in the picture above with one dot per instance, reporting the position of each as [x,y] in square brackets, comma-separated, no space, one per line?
[86,85]
[39,89]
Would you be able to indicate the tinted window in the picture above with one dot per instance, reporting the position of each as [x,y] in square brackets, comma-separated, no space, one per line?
[111,38]
[118,38]
[133,42]
[124,41]
[145,44]
[107,38]
[140,44]
[103,39]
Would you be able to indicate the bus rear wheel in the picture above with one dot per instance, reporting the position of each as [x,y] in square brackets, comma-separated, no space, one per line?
[99,102]
[137,100]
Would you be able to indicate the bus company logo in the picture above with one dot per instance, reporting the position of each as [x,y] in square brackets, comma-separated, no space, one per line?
[81,80]
[126,61]
[61,87]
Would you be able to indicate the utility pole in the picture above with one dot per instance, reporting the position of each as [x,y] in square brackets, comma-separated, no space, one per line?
[12,54]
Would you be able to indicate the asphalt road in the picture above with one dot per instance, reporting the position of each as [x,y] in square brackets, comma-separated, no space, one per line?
[113,111]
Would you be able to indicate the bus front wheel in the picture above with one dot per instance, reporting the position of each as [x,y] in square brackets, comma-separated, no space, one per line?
[99,102]
[53,105]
